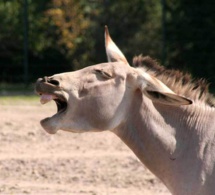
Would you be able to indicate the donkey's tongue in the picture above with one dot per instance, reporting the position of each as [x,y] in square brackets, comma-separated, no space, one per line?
[44,98]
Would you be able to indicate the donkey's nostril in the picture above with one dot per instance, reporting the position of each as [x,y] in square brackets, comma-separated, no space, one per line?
[54,82]
[49,80]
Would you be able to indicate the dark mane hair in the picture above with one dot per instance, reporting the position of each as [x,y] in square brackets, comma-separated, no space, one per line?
[180,82]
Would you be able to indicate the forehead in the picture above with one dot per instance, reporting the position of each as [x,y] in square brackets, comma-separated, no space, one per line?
[115,67]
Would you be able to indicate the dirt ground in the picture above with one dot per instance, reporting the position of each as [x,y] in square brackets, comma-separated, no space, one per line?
[36,163]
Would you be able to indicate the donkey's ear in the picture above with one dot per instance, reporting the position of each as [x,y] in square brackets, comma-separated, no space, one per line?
[113,52]
[157,91]
[167,98]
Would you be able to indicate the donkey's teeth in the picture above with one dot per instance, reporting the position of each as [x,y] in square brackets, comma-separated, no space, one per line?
[44,98]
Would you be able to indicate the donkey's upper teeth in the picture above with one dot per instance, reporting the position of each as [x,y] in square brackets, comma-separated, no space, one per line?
[44,98]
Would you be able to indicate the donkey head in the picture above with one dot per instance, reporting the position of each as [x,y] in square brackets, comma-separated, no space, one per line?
[99,97]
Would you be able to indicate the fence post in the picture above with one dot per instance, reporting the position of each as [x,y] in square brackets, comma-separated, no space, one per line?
[25,43]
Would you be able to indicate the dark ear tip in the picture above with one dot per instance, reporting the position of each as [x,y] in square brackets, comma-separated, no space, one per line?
[106,29]
[189,101]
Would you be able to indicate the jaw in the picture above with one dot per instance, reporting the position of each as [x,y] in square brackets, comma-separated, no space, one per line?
[52,124]
[47,93]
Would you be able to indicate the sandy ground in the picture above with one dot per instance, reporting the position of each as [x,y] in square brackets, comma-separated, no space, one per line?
[34,162]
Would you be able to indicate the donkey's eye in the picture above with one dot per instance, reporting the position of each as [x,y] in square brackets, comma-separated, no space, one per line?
[103,73]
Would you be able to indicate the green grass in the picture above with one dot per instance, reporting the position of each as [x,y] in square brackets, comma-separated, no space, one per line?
[19,100]
[15,94]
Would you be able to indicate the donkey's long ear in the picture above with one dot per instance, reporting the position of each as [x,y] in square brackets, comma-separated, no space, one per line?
[157,91]
[167,98]
[113,52]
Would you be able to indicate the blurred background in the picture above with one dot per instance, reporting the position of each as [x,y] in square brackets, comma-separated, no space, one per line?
[44,37]
[40,37]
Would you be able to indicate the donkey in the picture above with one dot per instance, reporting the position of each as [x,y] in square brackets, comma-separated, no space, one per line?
[165,118]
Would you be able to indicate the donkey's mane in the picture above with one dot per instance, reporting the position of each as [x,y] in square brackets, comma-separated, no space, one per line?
[180,82]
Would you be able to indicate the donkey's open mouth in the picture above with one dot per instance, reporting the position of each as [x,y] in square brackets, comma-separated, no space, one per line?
[48,91]
[60,100]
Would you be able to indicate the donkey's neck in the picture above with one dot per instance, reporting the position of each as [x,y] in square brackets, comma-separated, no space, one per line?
[160,137]
[148,135]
